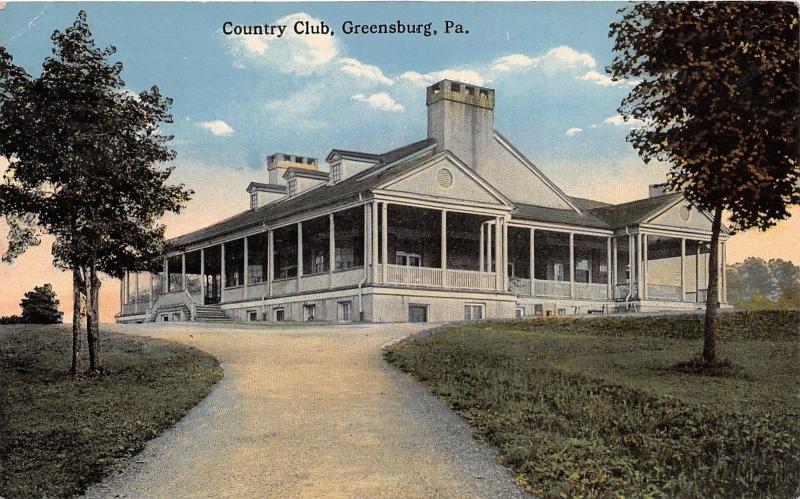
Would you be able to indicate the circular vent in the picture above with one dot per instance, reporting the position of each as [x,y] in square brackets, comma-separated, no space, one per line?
[685,213]
[444,178]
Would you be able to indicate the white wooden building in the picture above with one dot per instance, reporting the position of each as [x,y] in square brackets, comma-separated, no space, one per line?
[460,225]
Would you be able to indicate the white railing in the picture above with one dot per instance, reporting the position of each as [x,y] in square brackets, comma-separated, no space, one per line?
[621,291]
[314,282]
[520,286]
[663,292]
[591,291]
[284,287]
[470,279]
[438,278]
[556,289]
[691,296]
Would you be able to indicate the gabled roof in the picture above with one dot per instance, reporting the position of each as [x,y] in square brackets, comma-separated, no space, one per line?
[385,158]
[302,173]
[322,195]
[633,212]
[559,216]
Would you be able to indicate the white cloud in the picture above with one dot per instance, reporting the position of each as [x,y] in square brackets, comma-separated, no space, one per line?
[2,5]
[618,120]
[359,70]
[508,62]
[425,79]
[604,80]
[573,131]
[381,101]
[567,55]
[217,127]
[292,53]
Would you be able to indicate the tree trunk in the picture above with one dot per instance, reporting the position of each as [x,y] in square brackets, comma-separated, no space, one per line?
[77,343]
[712,293]
[93,320]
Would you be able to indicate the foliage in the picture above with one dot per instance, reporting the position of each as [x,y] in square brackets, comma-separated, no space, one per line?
[578,414]
[40,306]
[61,434]
[718,93]
[84,155]
[755,284]
[11,319]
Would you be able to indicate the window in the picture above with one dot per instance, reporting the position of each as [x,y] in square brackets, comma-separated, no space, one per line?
[176,316]
[344,258]
[408,259]
[280,315]
[336,174]
[345,308]
[473,311]
[519,312]
[417,313]
[252,315]
[292,187]
[309,312]
[582,270]
[558,271]
[319,266]
[511,270]
[253,201]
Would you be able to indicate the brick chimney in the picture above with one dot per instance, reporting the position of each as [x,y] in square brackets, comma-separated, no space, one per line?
[461,119]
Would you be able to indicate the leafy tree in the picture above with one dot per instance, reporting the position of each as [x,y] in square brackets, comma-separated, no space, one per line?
[84,153]
[785,274]
[40,306]
[748,278]
[717,91]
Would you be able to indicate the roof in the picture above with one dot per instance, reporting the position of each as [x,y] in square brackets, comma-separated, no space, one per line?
[322,195]
[589,204]
[260,186]
[353,154]
[560,216]
[633,212]
[299,172]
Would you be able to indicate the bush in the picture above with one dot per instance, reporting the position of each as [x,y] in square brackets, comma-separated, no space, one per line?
[40,306]
[11,319]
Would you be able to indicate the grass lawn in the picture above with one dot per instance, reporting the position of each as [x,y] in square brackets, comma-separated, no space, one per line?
[58,435]
[596,408]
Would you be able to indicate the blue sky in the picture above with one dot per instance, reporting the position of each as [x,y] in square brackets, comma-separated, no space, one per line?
[238,99]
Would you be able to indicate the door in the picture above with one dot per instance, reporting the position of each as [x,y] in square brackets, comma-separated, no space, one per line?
[417,313]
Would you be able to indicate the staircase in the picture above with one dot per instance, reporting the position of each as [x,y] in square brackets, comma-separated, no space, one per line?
[210,313]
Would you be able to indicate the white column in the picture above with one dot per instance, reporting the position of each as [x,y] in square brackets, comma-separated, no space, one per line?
[221,270]
[384,239]
[482,246]
[572,265]
[127,294]
[631,262]
[246,264]
[532,260]
[366,235]
[608,266]
[202,277]
[614,250]
[374,239]
[183,271]
[270,260]
[489,249]
[331,249]
[165,281]
[136,298]
[697,273]
[505,254]
[683,269]
[150,298]
[299,252]
[444,241]
[644,266]
[724,273]
[498,251]
[639,267]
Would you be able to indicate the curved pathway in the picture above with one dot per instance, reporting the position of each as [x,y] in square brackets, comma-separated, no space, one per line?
[311,411]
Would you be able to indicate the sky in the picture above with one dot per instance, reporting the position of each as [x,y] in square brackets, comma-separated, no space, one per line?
[238,99]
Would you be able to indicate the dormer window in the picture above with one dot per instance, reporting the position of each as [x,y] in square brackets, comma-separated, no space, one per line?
[336,172]
[253,201]
[292,187]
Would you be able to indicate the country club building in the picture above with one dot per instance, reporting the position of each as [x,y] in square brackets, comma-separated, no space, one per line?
[460,225]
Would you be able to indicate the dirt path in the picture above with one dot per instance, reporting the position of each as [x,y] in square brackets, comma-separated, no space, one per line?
[310,412]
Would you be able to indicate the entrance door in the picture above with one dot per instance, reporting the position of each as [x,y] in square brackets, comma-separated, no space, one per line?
[417,313]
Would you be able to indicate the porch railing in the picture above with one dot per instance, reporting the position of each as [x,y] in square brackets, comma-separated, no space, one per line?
[554,289]
[663,292]
[438,278]
[691,296]
[621,291]
[591,291]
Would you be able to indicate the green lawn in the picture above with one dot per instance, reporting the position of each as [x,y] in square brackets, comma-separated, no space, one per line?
[59,435]
[595,407]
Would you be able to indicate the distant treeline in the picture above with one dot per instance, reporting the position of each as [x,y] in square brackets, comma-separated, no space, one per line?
[755,284]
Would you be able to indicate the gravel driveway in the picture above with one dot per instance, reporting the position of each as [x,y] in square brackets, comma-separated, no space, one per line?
[310,411]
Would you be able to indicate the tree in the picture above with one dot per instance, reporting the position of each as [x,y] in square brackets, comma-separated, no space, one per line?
[84,168]
[717,93]
[40,306]
[748,278]
[785,275]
